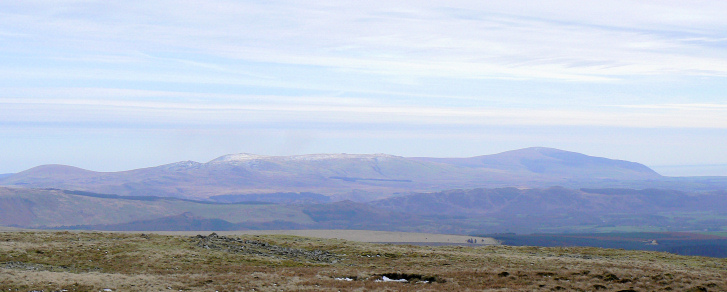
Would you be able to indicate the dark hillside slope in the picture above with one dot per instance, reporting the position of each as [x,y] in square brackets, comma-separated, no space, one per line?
[183,222]
[36,208]
[567,210]
[510,201]
[481,211]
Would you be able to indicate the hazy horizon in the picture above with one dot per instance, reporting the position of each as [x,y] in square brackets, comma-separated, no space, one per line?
[111,86]
[665,170]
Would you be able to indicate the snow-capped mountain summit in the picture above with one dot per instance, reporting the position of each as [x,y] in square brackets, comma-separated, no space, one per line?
[182,165]
[239,157]
[244,157]
[377,175]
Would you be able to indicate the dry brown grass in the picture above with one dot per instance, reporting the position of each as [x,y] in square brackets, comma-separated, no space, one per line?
[358,235]
[79,261]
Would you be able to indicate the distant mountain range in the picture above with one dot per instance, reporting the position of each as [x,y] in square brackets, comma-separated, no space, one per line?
[482,211]
[359,177]
[523,191]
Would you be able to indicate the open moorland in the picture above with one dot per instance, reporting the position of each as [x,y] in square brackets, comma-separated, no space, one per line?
[91,261]
[361,236]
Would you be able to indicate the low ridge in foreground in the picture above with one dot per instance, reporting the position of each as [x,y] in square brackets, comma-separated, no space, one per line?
[83,261]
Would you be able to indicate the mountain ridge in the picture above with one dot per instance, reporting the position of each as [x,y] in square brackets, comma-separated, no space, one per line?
[346,176]
[533,158]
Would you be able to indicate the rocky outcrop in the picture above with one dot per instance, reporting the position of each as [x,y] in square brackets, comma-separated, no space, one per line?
[260,248]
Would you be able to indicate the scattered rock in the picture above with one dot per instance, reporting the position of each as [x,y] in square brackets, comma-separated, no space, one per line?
[255,247]
[610,277]
[33,267]
[545,274]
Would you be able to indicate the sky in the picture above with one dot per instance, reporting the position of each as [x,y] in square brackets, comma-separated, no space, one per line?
[118,85]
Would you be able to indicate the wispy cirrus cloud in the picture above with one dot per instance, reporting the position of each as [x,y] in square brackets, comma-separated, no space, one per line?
[679,106]
[348,69]
[462,39]
[154,109]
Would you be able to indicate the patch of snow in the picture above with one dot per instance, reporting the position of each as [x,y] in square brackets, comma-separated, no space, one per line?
[387,279]
[182,165]
[240,157]
[246,157]
[313,157]
[343,279]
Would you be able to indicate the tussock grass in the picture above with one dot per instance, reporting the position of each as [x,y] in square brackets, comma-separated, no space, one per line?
[87,261]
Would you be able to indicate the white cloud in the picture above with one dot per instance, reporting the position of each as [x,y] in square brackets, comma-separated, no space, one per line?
[252,110]
[681,107]
[570,40]
[396,68]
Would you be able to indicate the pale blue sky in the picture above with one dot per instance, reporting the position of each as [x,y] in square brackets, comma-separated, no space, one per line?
[127,84]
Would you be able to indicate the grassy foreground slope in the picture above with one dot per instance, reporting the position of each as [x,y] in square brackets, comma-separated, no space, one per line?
[80,261]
